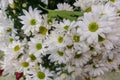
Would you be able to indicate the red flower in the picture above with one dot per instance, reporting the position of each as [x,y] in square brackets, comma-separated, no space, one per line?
[1,71]
[19,75]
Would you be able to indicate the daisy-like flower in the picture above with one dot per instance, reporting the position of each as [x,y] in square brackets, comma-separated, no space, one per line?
[27,64]
[58,55]
[36,46]
[64,6]
[44,28]
[56,40]
[42,74]
[95,69]
[112,59]
[80,59]
[85,5]
[31,21]
[66,25]
[11,62]
[116,3]
[63,76]
[106,11]
[45,1]
[5,3]
[8,25]
[92,27]
[15,48]
[6,28]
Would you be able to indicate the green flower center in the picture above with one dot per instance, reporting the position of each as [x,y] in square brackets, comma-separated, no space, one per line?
[93,27]
[76,38]
[43,30]
[49,21]
[110,60]
[88,9]
[77,55]
[66,27]
[60,39]
[11,39]
[25,64]
[91,48]
[112,0]
[16,48]
[41,75]
[38,46]
[60,53]
[32,57]
[9,30]
[33,22]
[100,39]
[69,46]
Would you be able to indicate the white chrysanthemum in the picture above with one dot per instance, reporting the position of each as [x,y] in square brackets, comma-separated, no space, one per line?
[14,49]
[44,28]
[95,70]
[6,29]
[45,1]
[63,76]
[66,25]
[58,55]
[31,21]
[85,5]
[92,27]
[11,62]
[65,30]
[36,46]
[56,40]
[73,71]
[112,59]
[110,40]
[42,74]
[5,3]
[116,3]
[106,11]
[25,63]
[80,59]
[64,6]
[8,25]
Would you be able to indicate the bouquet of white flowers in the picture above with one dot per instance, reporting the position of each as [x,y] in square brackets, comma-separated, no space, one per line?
[59,39]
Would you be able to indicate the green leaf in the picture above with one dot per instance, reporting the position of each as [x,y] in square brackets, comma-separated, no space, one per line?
[71,15]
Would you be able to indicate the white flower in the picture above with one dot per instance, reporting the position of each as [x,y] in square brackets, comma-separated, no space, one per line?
[5,3]
[31,21]
[42,74]
[27,63]
[66,25]
[14,49]
[45,1]
[6,29]
[36,46]
[92,27]
[11,62]
[64,6]
[85,5]
[112,58]
[55,40]
[116,3]
[106,11]
[58,55]
[63,76]
[96,69]
[80,59]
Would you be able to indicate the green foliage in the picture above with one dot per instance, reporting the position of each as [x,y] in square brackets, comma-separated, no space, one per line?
[71,15]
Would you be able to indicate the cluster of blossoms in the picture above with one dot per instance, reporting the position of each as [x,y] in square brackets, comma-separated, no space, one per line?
[57,46]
